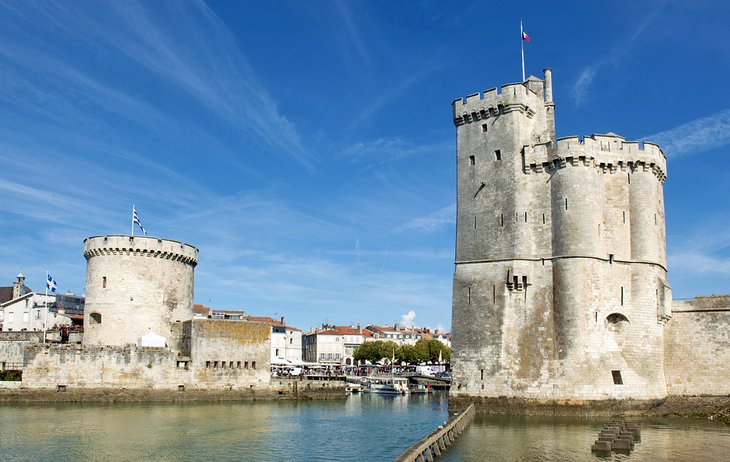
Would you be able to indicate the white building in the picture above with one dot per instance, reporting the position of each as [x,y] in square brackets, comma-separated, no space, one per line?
[286,341]
[30,312]
[333,345]
[397,333]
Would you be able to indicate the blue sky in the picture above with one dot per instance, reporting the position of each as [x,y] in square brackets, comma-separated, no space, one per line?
[307,148]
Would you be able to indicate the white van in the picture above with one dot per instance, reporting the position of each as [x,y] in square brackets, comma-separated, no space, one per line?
[426,371]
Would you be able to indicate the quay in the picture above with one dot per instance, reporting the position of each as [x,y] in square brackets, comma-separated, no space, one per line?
[440,439]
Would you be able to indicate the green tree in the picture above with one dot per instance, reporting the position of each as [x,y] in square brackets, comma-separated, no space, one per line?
[430,349]
[411,354]
[388,349]
[368,351]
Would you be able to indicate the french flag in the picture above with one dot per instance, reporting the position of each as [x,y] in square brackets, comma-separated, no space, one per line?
[525,37]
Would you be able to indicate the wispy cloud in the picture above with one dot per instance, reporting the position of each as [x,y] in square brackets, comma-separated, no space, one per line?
[614,58]
[694,137]
[583,83]
[699,263]
[431,222]
[385,150]
[346,19]
[194,52]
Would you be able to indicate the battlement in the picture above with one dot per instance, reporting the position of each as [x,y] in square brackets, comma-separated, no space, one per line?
[140,246]
[512,97]
[610,152]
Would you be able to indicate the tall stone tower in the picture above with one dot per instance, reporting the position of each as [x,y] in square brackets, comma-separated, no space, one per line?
[136,285]
[560,288]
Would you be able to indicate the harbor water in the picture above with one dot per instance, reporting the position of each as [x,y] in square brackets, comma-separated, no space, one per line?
[363,427]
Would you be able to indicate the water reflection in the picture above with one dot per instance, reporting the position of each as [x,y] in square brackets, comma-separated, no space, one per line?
[506,438]
[366,427]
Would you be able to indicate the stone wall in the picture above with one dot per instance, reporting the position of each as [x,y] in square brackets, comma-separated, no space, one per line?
[74,366]
[230,353]
[697,347]
[11,353]
[222,355]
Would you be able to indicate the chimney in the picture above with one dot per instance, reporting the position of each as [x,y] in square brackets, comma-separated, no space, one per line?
[282,319]
[359,328]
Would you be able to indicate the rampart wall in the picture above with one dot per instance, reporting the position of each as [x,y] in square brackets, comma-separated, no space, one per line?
[230,351]
[697,347]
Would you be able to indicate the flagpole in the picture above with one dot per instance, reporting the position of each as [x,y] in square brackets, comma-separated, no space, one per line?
[45,316]
[522,45]
[132,220]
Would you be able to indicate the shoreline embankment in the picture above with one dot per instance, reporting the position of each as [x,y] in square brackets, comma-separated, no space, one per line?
[280,389]
[699,407]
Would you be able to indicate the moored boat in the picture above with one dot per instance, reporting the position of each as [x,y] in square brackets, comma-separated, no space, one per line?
[386,385]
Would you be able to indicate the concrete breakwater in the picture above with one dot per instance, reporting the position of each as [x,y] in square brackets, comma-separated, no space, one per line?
[284,389]
[437,441]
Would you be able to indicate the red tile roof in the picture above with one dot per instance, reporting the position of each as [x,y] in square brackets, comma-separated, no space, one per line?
[269,320]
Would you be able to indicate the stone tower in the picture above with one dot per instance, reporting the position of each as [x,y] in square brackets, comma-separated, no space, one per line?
[136,285]
[560,288]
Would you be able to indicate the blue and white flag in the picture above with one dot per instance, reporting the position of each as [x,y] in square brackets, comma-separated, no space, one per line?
[135,220]
[51,284]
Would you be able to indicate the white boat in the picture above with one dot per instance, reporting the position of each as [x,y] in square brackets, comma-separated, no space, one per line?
[353,384]
[385,385]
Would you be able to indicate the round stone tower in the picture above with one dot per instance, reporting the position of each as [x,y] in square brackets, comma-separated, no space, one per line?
[136,285]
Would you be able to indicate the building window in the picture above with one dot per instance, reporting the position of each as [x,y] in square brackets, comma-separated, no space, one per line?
[25,316]
[245,364]
[484,128]
[103,282]
[11,316]
[291,341]
[472,160]
[207,364]
[277,352]
[617,380]
[498,154]
[37,315]
[622,295]
[95,318]
[253,364]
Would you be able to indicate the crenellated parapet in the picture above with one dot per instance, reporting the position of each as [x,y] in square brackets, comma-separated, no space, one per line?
[609,153]
[508,98]
[140,246]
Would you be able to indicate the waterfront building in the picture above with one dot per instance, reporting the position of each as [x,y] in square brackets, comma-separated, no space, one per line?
[18,289]
[333,345]
[560,290]
[397,333]
[21,309]
[71,306]
[286,341]
[444,338]
[31,312]
[201,311]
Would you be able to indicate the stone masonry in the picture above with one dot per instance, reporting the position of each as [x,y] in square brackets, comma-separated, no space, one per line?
[560,289]
[136,285]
